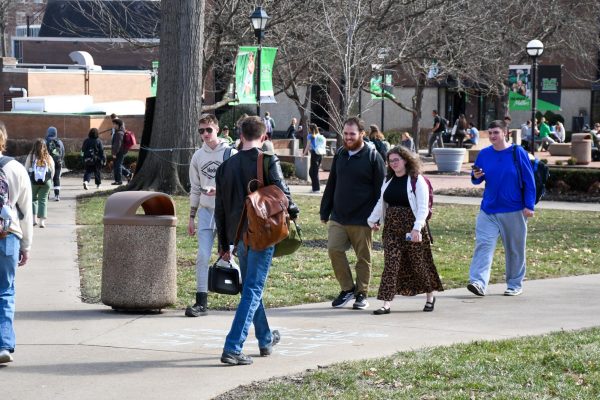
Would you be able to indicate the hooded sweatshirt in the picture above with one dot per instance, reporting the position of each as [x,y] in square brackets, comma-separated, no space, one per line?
[203,169]
[52,134]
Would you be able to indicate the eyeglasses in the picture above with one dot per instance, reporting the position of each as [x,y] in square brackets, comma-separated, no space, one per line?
[394,160]
[207,130]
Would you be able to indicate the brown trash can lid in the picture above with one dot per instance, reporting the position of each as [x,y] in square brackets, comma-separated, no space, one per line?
[121,209]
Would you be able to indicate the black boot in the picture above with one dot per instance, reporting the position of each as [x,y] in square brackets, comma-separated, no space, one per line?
[199,308]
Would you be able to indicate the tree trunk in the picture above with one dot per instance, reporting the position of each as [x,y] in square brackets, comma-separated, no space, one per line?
[178,100]
[417,103]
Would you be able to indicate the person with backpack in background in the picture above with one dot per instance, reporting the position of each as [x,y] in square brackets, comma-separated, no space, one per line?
[270,124]
[203,169]
[56,149]
[508,201]
[119,151]
[232,181]
[94,158]
[378,139]
[41,170]
[439,128]
[317,145]
[403,209]
[352,190]
[16,234]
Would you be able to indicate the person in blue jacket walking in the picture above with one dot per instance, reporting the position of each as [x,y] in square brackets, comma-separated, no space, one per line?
[508,200]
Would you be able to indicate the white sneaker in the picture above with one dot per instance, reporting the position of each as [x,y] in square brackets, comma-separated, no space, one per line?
[42,222]
[85,185]
[513,292]
[56,198]
[5,357]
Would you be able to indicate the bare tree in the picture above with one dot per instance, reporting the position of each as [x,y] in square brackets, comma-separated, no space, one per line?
[178,100]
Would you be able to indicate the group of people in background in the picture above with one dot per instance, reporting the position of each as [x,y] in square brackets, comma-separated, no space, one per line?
[542,135]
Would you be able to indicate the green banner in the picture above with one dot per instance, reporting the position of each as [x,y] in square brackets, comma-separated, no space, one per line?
[245,68]
[387,86]
[519,82]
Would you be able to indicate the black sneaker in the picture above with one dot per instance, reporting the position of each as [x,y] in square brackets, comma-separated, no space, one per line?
[235,359]
[476,289]
[361,302]
[200,307]
[343,298]
[267,351]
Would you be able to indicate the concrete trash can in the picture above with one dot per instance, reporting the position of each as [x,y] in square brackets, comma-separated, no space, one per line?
[581,148]
[139,267]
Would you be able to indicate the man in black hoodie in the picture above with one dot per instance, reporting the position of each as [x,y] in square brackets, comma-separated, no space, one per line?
[352,191]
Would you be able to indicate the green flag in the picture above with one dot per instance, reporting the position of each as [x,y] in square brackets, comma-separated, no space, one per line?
[245,68]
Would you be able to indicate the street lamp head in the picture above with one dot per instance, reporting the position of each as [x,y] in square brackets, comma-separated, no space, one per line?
[535,48]
[259,20]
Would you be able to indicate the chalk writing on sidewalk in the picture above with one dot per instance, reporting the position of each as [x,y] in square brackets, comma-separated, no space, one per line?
[294,342]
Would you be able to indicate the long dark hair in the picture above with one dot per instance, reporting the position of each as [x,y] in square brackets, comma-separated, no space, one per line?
[413,163]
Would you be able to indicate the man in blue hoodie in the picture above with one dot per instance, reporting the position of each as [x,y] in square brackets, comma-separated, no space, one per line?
[56,149]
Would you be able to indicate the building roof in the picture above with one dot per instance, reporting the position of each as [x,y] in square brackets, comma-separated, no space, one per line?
[135,19]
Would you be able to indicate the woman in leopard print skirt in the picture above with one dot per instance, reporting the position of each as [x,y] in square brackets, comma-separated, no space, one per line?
[408,263]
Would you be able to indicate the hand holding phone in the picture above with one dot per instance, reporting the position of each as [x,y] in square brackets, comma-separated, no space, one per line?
[475,168]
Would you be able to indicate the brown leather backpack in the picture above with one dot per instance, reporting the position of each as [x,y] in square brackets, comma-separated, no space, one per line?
[265,210]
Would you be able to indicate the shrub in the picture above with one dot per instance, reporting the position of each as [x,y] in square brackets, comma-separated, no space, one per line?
[74,161]
[393,137]
[572,161]
[558,162]
[580,179]
[288,169]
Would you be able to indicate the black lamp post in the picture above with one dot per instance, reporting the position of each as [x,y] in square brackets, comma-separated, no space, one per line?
[259,20]
[535,48]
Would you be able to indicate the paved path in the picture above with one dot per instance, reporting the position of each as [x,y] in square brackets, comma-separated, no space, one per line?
[70,350]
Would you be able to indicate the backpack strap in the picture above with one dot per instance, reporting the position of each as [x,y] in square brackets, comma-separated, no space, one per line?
[5,160]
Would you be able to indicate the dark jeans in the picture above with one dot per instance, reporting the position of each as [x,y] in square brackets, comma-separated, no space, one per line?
[56,178]
[119,169]
[93,170]
[460,137]
[435,136]
[313,172]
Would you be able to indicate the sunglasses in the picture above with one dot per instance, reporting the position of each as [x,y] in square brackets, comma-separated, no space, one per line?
[207,130]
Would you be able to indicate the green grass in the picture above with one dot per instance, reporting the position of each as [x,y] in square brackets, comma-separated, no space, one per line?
[562,365]
[560,243]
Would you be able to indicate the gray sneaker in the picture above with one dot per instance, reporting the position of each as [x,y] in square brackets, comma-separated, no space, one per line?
[235,359]
[476,289]
[268,350]
[361,302]
[513,292]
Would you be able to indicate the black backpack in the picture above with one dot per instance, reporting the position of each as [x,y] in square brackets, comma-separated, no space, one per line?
[54,151]
[541,172]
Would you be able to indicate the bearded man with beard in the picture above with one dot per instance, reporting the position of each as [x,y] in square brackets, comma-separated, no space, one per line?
[352,190]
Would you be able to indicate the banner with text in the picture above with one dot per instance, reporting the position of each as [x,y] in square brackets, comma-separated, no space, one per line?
[549,84]
[519,82]
[245,66]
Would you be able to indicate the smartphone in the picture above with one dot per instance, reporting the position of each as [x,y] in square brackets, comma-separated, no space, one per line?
[475,168]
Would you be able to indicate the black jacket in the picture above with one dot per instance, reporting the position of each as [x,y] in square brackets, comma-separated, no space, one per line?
[94,146]
[232,180]
[353,187]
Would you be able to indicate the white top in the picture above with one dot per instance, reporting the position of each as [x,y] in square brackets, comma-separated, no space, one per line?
[19,186]
[203,169]
[419,203]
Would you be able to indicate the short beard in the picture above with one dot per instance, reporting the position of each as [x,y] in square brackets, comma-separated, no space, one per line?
[357,145]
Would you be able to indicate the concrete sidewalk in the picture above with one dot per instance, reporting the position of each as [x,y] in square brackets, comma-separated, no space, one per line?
[70,350]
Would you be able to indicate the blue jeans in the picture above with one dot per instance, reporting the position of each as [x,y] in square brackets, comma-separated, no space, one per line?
[119,169]
[254,266]
[9,257]
[512,228]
